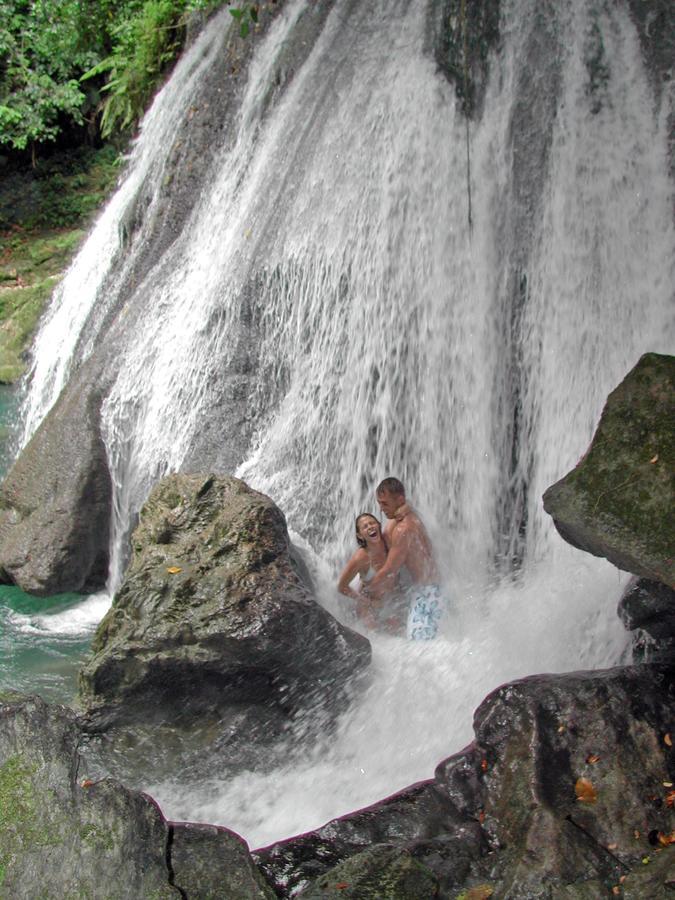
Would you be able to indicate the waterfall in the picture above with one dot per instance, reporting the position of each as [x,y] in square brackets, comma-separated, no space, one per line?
[327,318]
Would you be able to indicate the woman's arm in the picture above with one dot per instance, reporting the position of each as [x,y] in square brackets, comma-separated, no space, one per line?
[356,564]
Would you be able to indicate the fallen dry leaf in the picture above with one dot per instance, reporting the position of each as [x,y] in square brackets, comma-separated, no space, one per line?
[622,879]
[670,798]
[484,764]
[654,458]
[636,835]
[87,783]
[481,892]
[174,570]
[585,791]
[481,816]
[612,846]
[561,728]
[667,740]
[667,783]
[665,839]
[616,890]
[593,758]
[341,885]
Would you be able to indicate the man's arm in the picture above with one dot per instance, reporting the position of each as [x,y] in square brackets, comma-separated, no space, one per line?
[384,580]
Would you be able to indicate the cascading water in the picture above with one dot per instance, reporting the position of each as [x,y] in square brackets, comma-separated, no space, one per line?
[328,272]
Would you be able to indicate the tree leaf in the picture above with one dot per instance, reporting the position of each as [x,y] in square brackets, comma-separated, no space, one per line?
[237,14]
[174,570]
[243,31]
[253,12]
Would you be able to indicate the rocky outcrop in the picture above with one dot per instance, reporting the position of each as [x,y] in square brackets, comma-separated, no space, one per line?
[216,617]
[647,609]
[63,835]
[618,502]
[55,502]
[567,791]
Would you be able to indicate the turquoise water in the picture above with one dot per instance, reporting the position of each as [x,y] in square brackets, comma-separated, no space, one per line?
[43,640]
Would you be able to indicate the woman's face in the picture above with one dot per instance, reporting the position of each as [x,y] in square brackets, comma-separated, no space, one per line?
[368,528]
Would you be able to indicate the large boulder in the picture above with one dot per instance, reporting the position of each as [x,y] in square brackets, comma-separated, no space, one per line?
[618,502]
[565,792]
[216,615]
[55,502]
[64,835]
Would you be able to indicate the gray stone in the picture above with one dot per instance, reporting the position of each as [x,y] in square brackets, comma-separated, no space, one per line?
[210,863]
[507,817]
[55,502]
[60,836]
[215,617]
[618,502]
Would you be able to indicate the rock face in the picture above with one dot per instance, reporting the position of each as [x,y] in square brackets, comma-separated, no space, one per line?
[618,502]
[647,609]
[55,508]
[562,794]
[215,615]
[65,836]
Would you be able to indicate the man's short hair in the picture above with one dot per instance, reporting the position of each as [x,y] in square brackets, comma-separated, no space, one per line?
[391,486]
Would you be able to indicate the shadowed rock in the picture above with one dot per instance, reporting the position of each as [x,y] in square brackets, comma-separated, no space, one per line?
[618,502]
[64,836]
[504,816]
[55,501]
[216,616]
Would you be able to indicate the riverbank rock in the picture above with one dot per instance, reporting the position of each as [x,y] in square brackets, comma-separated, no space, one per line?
[565,792]
[63,835]
[55,502]
[618,502]
[647,609]
[216,618]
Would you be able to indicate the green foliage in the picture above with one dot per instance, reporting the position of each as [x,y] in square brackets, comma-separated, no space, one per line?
[57,55]
[245,15]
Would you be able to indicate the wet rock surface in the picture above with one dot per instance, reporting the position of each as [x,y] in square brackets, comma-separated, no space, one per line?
[55,503]
[64,835]
[618,502]
[563,794]
[216,618]
[647,609]
[60,838]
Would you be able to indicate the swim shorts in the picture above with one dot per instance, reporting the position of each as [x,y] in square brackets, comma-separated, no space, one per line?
[424,611]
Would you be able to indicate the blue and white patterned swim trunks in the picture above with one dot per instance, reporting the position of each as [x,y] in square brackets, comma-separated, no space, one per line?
[424,611]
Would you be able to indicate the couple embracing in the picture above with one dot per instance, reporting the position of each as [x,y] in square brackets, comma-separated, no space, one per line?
[396,567]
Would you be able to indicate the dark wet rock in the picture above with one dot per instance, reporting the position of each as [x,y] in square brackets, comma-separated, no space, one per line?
[537,738]
[59,838]
[463,36]
[63,835]
[504,815]
[618,502]
[210,863]
[55,503]
[378,872]
[647,609]
[421,821]
[216,617]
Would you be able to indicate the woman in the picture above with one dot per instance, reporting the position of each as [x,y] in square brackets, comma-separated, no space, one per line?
[366,561]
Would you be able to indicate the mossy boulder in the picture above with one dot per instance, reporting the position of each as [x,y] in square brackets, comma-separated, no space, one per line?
[618,502]
[64,835]
[216,615]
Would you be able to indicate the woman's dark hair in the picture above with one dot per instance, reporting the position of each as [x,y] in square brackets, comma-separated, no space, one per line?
[359,540]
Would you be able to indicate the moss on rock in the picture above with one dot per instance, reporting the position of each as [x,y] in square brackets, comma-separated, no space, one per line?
[618,501]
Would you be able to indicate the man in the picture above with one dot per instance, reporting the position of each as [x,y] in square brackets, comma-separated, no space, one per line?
[409,547]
